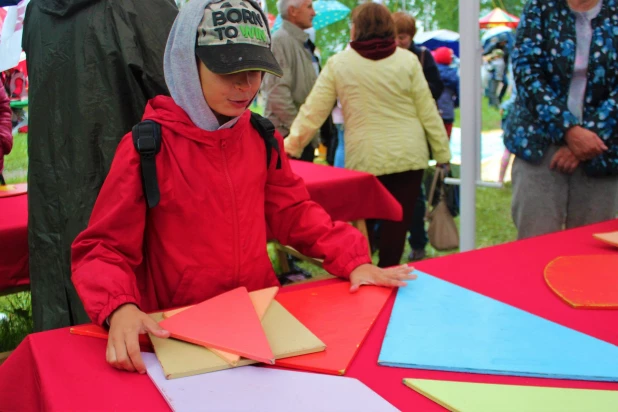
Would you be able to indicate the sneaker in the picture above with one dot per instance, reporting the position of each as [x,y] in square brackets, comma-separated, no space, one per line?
[418,254]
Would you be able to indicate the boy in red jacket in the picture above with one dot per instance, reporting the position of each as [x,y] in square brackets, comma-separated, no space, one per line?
[208,233]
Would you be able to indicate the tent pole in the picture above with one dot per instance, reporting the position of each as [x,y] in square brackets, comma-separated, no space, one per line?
[470,53]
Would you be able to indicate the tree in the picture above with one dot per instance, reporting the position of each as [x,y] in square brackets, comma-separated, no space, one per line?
[430,14]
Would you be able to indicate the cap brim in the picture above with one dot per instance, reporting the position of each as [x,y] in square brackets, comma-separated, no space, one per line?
[235,58]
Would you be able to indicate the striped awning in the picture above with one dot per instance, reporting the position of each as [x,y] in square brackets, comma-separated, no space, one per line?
[498,17]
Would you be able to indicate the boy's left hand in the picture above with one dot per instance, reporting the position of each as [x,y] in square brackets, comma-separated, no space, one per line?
[368,274]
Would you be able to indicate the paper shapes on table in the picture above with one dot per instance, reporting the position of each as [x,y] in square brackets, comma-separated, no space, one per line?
[588,282]
[440,326]
[228,322]
[339,318]
[264,389]
[261,300]
[484,397]
[611,238]
[13,189]
[286,336]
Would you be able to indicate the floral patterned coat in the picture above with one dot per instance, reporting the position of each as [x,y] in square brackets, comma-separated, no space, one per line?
[543,62]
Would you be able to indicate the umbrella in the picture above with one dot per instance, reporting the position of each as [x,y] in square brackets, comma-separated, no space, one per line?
[439,38]
[498,17]
[327,12]
[497,35]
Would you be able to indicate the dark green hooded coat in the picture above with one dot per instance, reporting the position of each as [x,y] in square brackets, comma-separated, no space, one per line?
[92,66]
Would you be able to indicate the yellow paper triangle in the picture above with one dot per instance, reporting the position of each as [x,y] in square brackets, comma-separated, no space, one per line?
[485,397]
[261,300]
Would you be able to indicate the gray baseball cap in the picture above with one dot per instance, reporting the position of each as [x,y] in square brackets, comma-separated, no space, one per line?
[233,37]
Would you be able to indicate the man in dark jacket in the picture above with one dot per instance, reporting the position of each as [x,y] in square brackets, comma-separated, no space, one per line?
[93,65]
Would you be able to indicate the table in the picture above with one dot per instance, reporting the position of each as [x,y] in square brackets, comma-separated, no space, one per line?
[56,371]
[345,194]
[14,244]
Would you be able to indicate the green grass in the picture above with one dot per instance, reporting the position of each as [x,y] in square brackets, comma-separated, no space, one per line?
[490,117]
[18,322]
[16,163]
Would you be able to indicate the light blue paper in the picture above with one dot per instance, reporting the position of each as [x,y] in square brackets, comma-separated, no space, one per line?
[440,326]
[261,389]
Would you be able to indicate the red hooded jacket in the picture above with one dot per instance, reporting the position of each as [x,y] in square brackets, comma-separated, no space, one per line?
[207,235]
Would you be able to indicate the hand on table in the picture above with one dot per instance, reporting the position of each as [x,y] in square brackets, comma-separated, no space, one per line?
[368,274]
[583,143]
[126,323]
[564,161]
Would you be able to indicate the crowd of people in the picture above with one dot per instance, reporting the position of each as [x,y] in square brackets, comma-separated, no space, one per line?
[100,250]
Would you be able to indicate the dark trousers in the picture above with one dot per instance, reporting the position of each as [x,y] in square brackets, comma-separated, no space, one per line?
[404,187]
[308,153]
[418,235]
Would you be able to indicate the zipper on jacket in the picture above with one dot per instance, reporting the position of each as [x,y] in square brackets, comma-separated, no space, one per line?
[236,239]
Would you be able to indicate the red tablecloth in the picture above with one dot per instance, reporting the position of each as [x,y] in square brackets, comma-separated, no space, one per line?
[57,371]
[347,194]
[13,241]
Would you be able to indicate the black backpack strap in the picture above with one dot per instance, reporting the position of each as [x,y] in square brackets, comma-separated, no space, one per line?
[147,142]
[267,130]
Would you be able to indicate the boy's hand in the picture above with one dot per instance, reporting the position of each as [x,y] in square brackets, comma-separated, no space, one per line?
[126,323]
[368,274]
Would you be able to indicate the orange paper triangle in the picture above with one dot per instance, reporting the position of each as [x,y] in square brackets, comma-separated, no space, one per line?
[261,300]
[227,322]
[585,281]
[339,318]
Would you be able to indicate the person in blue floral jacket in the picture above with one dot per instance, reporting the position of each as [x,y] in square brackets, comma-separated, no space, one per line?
[563,128]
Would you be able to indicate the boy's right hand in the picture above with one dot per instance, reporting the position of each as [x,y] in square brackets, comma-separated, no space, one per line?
[126,323]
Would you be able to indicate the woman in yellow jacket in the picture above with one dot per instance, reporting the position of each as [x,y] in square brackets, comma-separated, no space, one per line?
[390,116]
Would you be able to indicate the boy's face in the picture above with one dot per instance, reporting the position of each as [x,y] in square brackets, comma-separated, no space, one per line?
[230,94]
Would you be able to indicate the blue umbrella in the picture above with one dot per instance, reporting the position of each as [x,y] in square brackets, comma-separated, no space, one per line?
[493,37]
[327,12]
[5,3]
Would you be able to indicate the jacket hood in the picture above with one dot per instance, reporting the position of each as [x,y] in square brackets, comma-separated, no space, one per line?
[180,66]
[62,8]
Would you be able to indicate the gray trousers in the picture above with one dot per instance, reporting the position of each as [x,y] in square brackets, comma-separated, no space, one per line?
[546,201]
